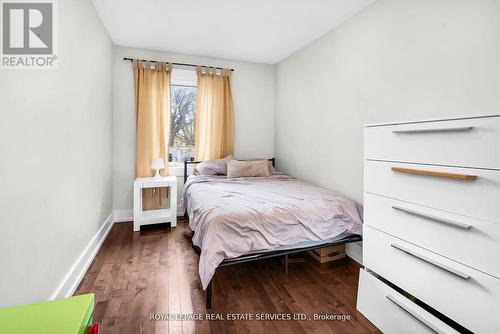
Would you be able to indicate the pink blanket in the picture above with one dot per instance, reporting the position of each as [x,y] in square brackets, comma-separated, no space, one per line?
[234,217]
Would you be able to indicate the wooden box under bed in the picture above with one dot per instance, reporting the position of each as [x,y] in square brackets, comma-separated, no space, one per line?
[327,254]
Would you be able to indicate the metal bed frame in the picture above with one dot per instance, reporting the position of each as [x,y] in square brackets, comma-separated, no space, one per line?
[189,162]
[264,255]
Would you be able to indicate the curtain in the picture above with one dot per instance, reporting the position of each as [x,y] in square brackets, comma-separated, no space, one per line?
[152,94]
[214,124]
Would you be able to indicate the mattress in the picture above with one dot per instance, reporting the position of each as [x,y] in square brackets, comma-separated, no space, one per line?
[234,217]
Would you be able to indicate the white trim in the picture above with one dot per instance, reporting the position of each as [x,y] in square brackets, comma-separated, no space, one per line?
[121,216]
[177,169]
[184,77]
[69,284]
[355,251]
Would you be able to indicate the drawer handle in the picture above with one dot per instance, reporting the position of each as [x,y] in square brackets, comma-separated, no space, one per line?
[431,261]
[414,314]
[466,177]
[434,218]
[457,129]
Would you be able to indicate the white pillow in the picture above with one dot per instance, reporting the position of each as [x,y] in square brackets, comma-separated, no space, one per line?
[251,168]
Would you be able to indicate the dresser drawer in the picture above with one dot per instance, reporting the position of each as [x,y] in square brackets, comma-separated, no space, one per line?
[466,143]
[477,198]
[393,313]
[463,294]
[470,241]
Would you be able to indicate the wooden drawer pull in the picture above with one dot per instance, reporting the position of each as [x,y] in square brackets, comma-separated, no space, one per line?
[424,258]
[436,174]
[434,218]
[457,129]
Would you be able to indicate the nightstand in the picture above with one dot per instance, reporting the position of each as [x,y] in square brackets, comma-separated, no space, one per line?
[167,215]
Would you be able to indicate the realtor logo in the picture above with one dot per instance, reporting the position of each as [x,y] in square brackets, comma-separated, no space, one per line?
[28,34]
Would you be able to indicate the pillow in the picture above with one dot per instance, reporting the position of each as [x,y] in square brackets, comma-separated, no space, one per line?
[251,168]
[213,167]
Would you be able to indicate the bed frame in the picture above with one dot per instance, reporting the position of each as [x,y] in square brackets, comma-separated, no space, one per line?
[264,255]
[189,162]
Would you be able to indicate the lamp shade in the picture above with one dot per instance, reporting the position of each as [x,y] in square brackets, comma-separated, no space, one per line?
[157,163]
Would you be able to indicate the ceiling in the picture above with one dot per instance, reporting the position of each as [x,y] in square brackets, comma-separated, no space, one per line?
[264,31]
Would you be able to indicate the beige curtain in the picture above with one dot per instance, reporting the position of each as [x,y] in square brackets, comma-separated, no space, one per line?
[214,126]
[152,93]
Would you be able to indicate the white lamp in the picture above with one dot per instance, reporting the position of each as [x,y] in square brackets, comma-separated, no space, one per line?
[157,164]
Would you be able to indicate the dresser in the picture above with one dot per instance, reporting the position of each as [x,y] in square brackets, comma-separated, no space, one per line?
[431,234]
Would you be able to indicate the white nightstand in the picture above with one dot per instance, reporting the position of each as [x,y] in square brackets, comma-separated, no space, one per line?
[168,215]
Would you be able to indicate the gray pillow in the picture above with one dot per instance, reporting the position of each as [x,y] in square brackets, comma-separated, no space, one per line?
[213,167]
[251,168]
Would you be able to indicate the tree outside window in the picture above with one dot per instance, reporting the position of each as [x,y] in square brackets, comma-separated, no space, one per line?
[183,120]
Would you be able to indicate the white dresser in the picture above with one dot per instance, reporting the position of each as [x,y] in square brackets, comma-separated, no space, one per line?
[432,225]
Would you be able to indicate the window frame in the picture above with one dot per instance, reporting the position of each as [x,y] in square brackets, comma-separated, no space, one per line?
[182,78]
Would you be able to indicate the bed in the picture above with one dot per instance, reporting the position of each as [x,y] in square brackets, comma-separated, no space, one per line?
[248,219]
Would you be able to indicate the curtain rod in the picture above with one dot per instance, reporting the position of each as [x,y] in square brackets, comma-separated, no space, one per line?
[180,64]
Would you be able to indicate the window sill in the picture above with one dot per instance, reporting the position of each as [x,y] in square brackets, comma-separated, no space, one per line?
[177,169]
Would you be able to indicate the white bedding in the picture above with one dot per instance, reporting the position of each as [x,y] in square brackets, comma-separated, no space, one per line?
[234,217]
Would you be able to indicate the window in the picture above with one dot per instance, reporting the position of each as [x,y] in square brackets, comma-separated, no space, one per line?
[182,128]
[183,100]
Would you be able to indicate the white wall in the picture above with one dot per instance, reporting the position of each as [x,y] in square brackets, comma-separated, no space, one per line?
[253,98]
[56,158]
[396,60]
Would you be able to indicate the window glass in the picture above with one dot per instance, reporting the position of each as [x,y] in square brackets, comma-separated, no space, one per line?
[183,119]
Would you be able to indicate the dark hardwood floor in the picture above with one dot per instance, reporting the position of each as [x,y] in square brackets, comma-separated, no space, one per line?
[156,271]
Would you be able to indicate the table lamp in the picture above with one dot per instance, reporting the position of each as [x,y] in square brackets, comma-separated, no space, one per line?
[157,164]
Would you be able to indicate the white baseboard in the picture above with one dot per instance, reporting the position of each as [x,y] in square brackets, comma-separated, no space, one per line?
[121,216]
[355,251]
[77,271]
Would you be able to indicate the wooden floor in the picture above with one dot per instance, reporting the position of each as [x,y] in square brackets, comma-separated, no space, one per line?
[156,271]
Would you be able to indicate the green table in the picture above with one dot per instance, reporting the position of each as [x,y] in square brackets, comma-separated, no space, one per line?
[63,316]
